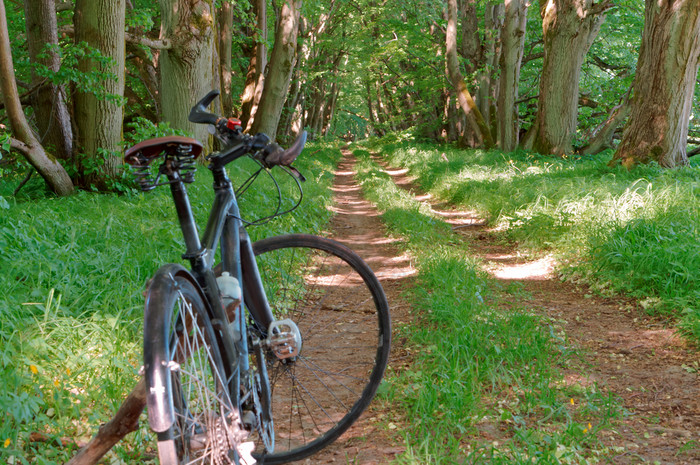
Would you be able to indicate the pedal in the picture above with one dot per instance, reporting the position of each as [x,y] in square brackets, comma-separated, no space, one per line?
[284,339]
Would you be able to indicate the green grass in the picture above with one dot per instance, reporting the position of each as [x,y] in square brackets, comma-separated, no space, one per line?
[71,307]
[486,385]
[634,232]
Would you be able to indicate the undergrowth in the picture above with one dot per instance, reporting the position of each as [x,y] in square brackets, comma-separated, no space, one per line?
[633,232]
[72,277]
[486,384]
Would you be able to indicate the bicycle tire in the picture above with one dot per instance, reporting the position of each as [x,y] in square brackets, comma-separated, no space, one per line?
[343,316]
[205,422]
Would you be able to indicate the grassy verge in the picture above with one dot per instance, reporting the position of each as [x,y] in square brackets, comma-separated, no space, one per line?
[633,232]
[72,276]
[487,384]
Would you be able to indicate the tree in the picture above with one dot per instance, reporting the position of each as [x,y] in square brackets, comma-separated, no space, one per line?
[99,111]
[280,70]
[186,69]
[24,139]
[512,43]
[49,100]
[657,129]
[255,77]
[474,118]
[569,28]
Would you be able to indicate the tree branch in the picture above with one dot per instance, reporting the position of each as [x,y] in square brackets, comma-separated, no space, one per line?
[124,422]
[158,44]
[64,6]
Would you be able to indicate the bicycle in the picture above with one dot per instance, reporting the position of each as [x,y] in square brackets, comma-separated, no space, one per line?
[271,354]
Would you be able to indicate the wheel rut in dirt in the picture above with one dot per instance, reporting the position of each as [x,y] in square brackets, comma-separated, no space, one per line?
[647,365]
[356,224]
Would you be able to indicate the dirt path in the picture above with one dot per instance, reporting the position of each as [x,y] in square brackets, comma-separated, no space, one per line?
[356,224]
[642,362]
[646,365]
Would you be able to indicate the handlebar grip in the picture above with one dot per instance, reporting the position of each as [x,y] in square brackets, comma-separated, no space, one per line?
[199,114]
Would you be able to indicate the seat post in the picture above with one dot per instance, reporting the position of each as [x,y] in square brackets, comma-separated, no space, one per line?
[185,216]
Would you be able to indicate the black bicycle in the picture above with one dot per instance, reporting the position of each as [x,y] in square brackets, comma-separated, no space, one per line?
[274,352]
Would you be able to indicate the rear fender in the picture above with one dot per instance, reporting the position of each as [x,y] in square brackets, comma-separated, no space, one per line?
[160,298]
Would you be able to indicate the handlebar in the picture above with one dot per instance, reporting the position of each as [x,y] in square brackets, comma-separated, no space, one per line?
[198,114]
[240,144]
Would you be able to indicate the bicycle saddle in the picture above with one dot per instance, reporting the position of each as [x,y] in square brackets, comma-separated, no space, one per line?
[152,148]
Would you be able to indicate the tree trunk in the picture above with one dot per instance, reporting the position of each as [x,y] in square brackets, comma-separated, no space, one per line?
[280,70]
[101,24]
[488,76]
[225,44]
[255,77]
[186,73]
[602,137]
[512,47]
[569,28]
[24,140]
[657,129]
[49,101]
[466,102]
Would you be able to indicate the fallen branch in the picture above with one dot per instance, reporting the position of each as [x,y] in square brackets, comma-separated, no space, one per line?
[124,422]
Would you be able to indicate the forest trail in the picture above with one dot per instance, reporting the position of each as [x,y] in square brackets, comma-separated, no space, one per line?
[635,358]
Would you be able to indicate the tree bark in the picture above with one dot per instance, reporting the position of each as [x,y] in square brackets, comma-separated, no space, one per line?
[569,28]
[466,102]
[124,422]
[657,129]
[49,101]
[186,73]
[101,24]
[24,140]
[512,49]
[279,74]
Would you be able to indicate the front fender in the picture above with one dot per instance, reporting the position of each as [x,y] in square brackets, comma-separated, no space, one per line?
[160,298]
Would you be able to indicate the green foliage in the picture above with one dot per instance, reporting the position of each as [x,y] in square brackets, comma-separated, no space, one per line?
[141,129]
[478,369]
[73,274]
[91,81]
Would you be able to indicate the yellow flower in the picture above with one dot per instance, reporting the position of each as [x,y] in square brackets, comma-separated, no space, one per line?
[33,369]
[572,401]
[68,371]
[7,442]
[56,383]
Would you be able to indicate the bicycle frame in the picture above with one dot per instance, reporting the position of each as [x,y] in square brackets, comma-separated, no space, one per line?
[224,228]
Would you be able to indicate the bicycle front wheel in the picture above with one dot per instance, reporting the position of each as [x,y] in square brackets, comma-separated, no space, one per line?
[205,427]
[342,313]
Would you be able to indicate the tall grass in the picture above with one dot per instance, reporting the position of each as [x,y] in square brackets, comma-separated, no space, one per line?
[487,384]
[71,306]
[634,232]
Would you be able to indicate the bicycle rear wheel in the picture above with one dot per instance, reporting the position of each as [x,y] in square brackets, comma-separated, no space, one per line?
[343,317]
[206,423]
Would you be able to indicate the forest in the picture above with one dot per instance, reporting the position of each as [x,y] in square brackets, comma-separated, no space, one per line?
[569,127]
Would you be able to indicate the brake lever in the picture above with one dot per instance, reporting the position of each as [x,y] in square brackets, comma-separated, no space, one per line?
[296,173]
